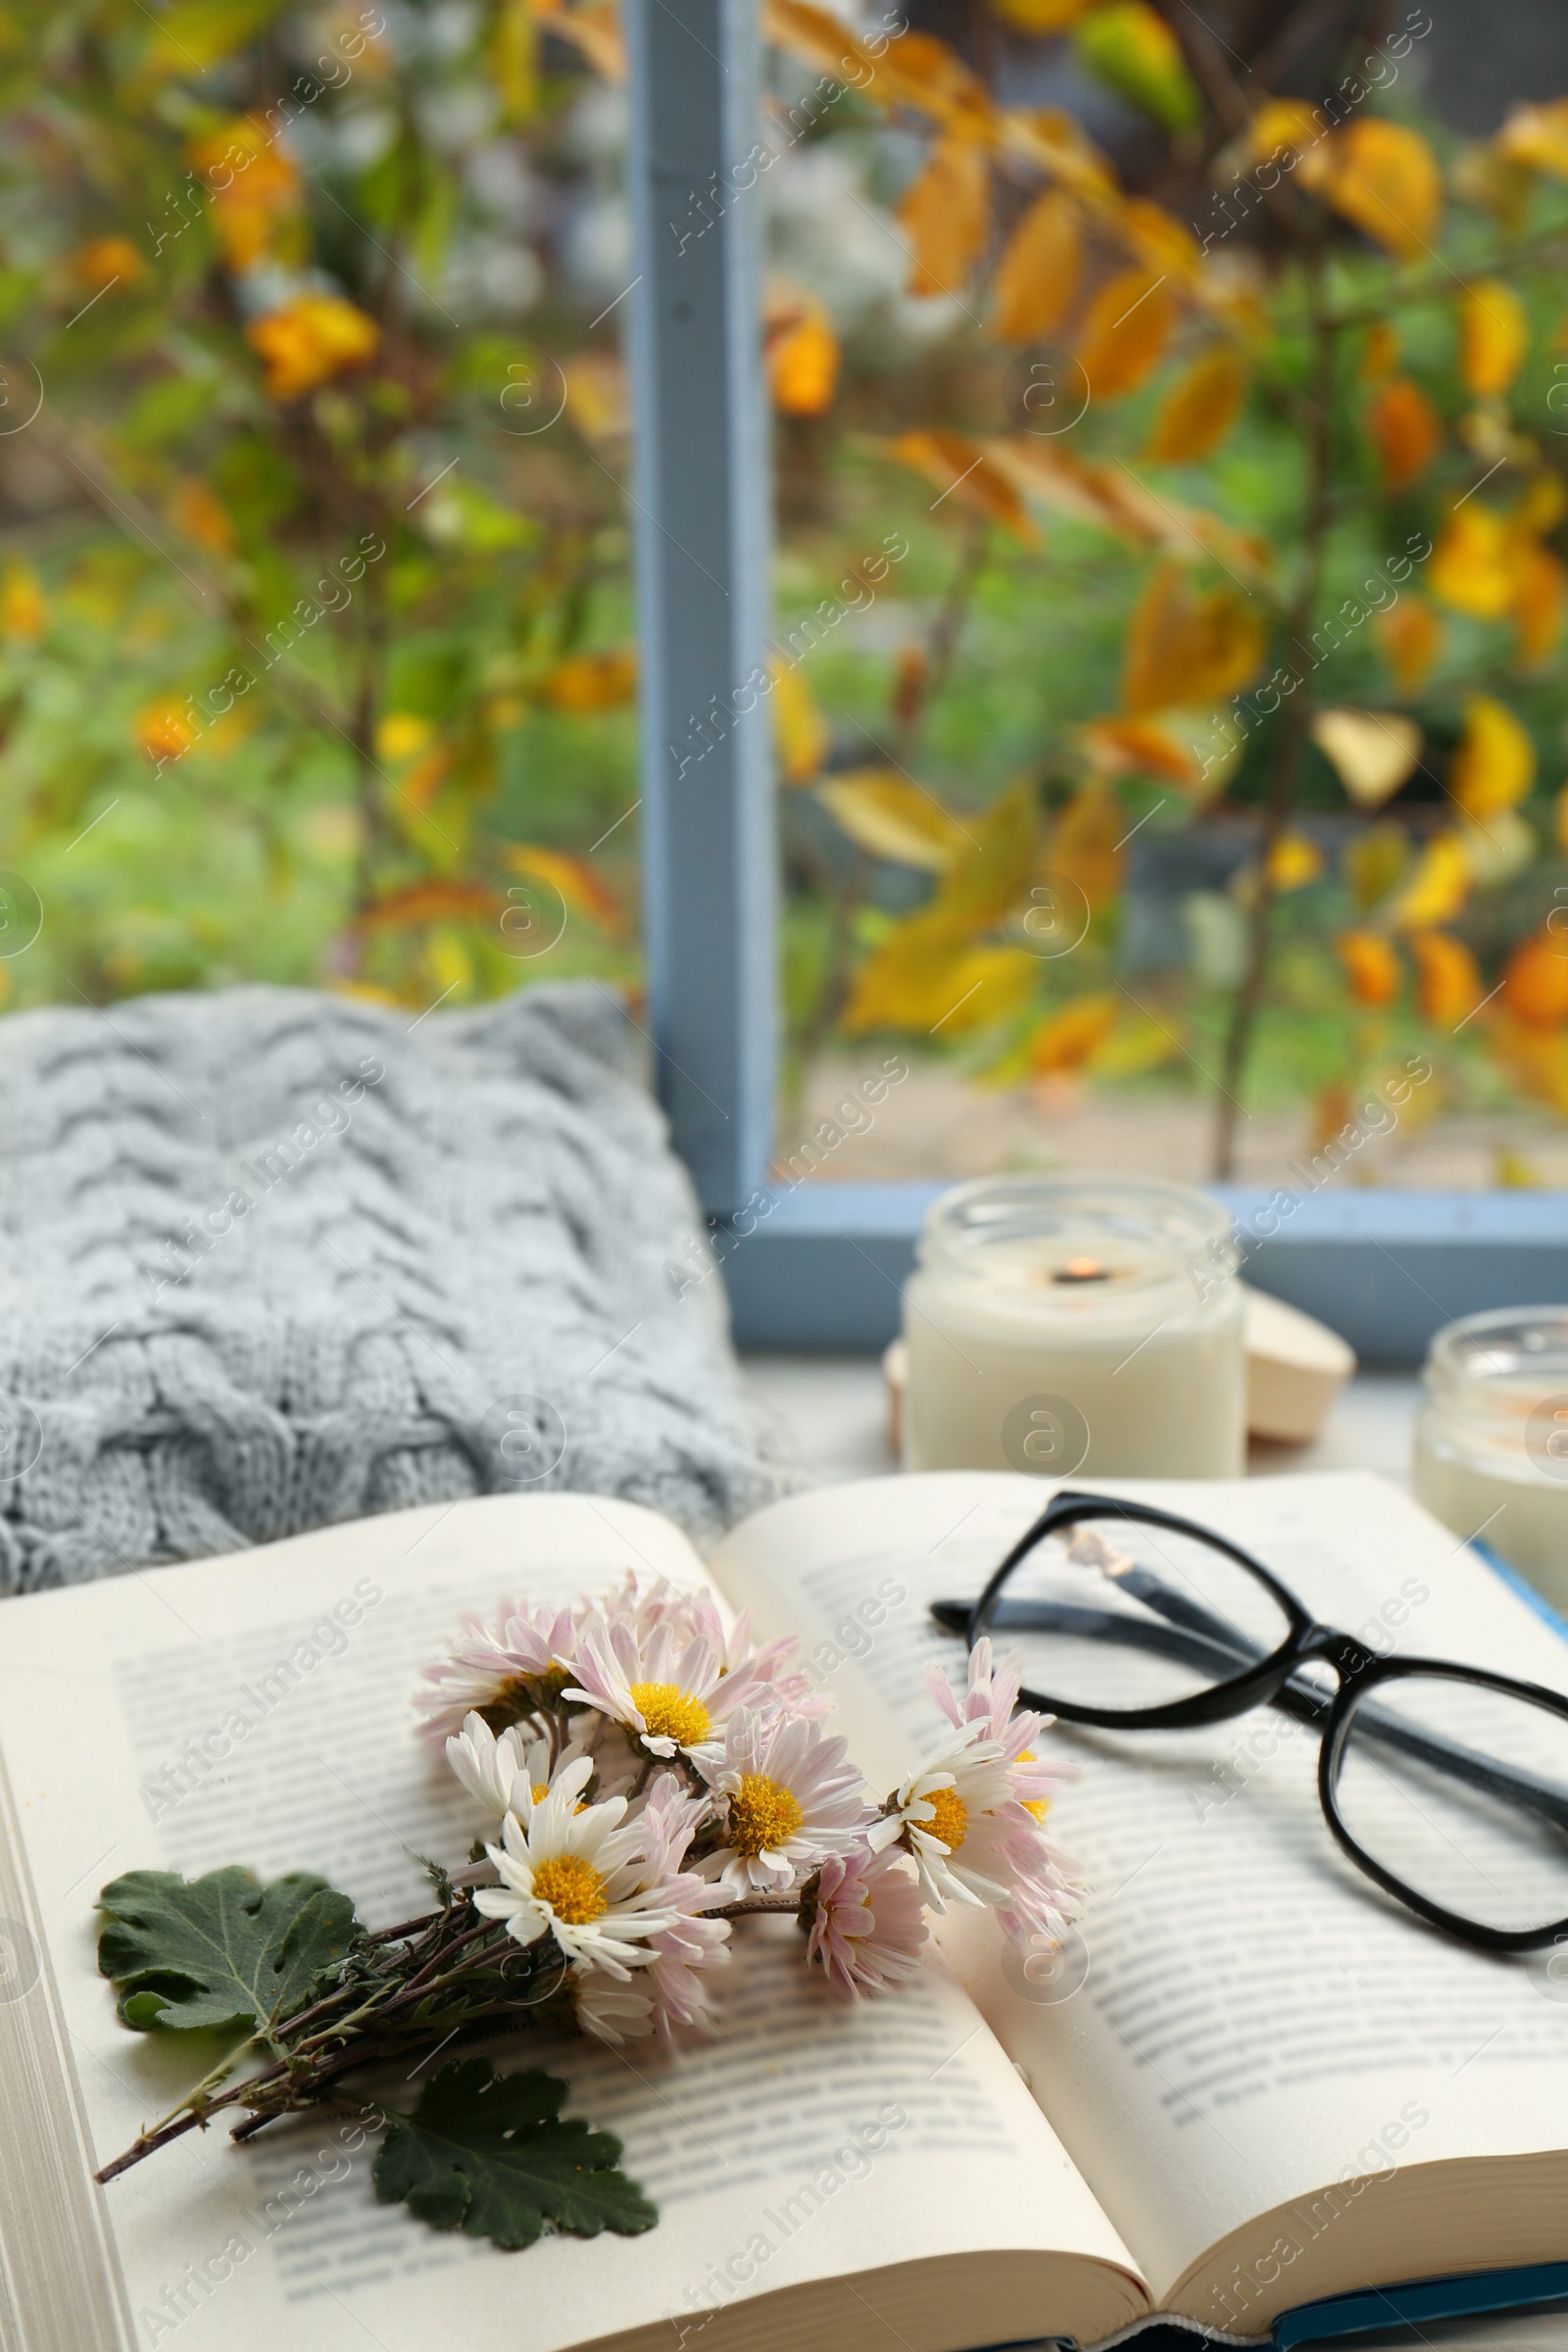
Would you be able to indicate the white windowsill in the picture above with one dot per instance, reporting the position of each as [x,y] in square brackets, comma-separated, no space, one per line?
[829,1414]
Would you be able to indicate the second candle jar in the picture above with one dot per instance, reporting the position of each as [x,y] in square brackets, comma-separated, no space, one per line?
[1066,1325]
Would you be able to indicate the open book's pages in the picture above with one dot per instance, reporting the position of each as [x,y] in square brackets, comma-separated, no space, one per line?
[1279,2084]
[826,2172]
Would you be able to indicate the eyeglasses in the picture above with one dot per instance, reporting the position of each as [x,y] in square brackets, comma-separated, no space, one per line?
[1446,1784]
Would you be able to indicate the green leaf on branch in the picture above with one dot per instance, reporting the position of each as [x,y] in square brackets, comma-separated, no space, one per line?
[489,2154]
[219,1951]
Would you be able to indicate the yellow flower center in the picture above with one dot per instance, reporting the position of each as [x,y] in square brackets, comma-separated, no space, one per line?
[541,1791]
[761,1814]
[572,1886]
[949,1819]
[671,1713]
[1038,1806]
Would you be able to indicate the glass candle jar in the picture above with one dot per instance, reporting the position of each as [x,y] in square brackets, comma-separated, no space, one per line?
[1492,1438]
[1076,1324]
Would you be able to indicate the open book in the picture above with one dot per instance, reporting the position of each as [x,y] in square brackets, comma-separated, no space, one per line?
[1248,2085]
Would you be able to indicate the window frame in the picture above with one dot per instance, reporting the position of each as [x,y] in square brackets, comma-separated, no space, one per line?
[819,1266]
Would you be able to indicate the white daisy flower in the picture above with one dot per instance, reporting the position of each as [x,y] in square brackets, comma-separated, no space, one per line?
[789,1798]
[864,1920]
[504,1670]
[487,1766]
[668,1693]
[956,1817]
[611,2009]
[490,1767]
[576,1873]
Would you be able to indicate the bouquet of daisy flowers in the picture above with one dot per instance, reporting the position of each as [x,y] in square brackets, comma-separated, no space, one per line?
[649,1778]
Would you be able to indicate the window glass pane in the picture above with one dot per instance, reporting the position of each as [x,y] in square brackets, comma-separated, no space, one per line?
[1170,440]
[316,637]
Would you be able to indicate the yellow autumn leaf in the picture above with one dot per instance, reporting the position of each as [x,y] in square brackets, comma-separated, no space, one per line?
[107,261]
[800,731]
[911,983]
[1385,179]
[1437,888]
[1536,1059]
[1371,751]
[165,730]
[597,394]
[1410,637]
[1281,123]
[1373,860]
[1165,245]
[1294,862]
[1494,764]
[1493,337]
[946,213]
[982,886]
[802,366]
[1371,967]
[1124,332]
[514,59]
[1187,646]
[24,607]
[309,340]
[924,975]
[892,816]
[965,470]
[573,879]
[598,682]
[1476,563]
[1036,276]
[400,735]
[1128,46]
[1536,137]
[1136,1043]
[1137,747]
[1040,17]
[1199,409]
[1448,984]
[1380,352]
[919,71]
[254,187]
[1404,430]
[1535,986]
[1085,846]
[1066,1038]
[196,509]
[1539,605]
[1542,505]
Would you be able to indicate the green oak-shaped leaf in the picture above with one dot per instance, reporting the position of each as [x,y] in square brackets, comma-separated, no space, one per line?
[219,1951]
[489,2154]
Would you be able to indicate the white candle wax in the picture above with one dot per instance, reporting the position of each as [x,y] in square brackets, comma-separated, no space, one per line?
[1076,1326]
[1490,1453]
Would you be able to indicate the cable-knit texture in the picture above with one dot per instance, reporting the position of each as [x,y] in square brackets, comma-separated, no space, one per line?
[272,1258]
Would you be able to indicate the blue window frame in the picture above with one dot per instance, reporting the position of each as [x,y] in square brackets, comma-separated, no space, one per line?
[821,1265]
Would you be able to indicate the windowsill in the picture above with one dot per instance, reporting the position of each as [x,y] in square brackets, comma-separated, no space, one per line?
[829,1418]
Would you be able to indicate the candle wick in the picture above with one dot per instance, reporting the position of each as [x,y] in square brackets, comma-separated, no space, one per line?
[1081,1269]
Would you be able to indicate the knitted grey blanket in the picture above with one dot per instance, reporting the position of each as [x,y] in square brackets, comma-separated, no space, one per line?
[269,1258]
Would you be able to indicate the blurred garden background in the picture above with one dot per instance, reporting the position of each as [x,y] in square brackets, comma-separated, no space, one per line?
[1171,459]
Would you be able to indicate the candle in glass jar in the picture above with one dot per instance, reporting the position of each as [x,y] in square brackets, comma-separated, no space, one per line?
[1069,1324]
[1491,1452]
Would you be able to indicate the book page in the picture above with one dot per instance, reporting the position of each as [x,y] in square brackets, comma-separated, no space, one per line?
[1243,2018]
[812,2138]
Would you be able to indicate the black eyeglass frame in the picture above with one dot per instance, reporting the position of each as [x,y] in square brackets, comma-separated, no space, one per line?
[1267,1682]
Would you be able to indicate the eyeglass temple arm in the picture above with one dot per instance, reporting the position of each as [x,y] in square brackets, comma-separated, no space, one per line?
[1198,1637]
